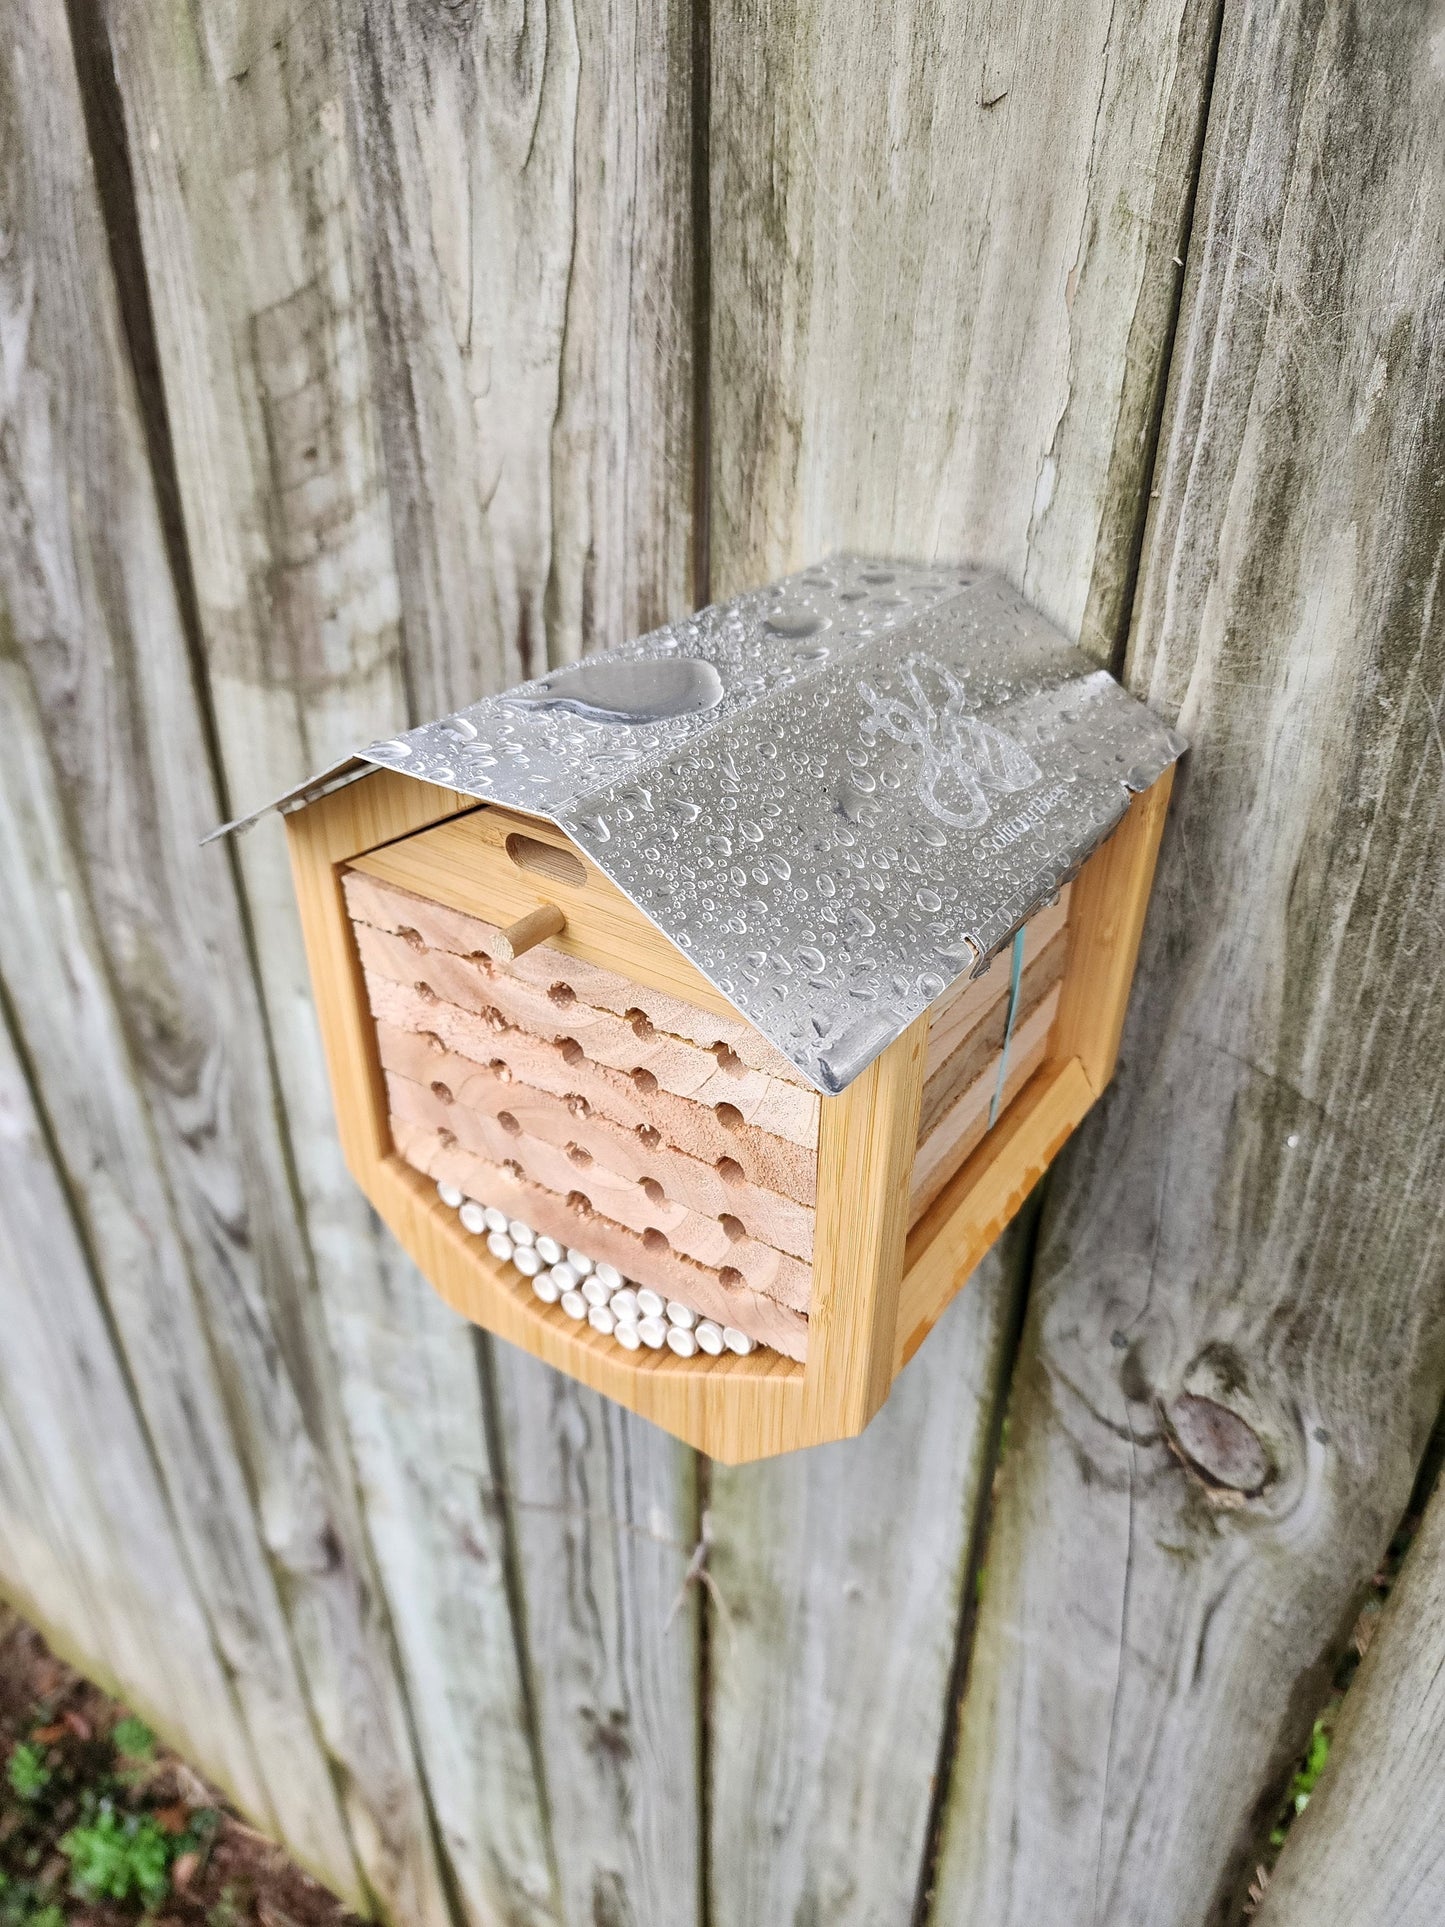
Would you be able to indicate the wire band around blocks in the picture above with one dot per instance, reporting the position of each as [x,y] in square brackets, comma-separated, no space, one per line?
[632,1315]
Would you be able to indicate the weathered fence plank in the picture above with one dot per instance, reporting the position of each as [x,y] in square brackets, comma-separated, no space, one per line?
[943,273]
[527,193]
[1369,1850]
[1236,1345]
[103,1007]
[248,202]
[601,1502]
[840,1581]
[126,965]
[526,197]
[100,1567]
[943,270]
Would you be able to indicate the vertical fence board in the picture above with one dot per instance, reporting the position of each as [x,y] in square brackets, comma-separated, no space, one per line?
[943,270]
[840,1578]
[97,1560]
[109,951]
[249,205]
[942,275]
[604,1510]
[1369,1850]
[527,195]
[1236,1345]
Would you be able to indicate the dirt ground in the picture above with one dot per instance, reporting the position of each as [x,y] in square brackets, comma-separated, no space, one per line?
[100,1825]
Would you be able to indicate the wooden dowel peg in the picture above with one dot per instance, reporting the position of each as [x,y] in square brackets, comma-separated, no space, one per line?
[527,932]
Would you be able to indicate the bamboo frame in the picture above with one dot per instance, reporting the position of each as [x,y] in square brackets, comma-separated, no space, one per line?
[877,1288]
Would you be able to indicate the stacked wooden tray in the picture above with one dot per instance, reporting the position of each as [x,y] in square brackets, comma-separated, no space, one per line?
[667,1141]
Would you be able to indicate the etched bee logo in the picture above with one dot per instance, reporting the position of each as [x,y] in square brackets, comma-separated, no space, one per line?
[963,760]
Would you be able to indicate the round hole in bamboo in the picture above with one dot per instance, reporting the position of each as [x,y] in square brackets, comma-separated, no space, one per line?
[655,1242]
[640,1021]
[425,992]
[442,1091]
[501,1070]
[412,938]
[547,860]
[729,1116]
[513,1169]
[649,1136]
[509,1124]
[579,1202]
[572,1051]
[654,1191]
[580,1157]
[730,1275]
[562,994]
[577,1104]
[730,1171]
[644,1080]
[734,1227]
[728,1059]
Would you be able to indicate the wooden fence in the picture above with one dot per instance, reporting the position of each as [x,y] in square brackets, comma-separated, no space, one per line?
[359,356]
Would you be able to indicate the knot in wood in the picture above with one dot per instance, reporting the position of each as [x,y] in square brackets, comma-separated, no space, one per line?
[1217,1445]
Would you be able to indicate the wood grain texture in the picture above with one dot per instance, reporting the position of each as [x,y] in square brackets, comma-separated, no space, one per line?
[1370,1847]
[156,1089]
[606,1519]
[525,189]
[92,1553]
[840,1576]
[238,130]
[866,1143]
[1254,1220]
[943,267]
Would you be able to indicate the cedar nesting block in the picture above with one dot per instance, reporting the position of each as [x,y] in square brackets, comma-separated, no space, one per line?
[764,966]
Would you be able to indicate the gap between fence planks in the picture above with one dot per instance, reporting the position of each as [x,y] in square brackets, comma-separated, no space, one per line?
[1369,1850]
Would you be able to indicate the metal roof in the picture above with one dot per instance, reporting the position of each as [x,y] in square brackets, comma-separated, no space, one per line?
[836,795]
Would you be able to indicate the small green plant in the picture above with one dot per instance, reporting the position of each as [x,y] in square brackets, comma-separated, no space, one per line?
[121,1857]
[21,1905]
[133,1739]
[1306,1774]
[27,1773]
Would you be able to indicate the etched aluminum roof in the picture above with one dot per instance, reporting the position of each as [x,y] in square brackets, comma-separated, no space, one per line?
[835,795]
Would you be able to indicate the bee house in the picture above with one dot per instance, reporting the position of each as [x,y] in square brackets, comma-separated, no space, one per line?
[699,1014]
